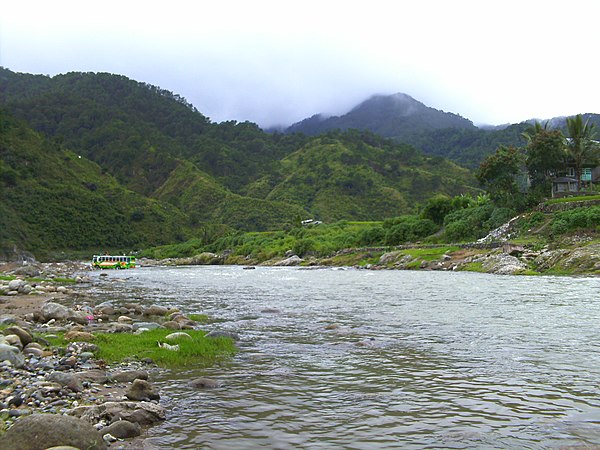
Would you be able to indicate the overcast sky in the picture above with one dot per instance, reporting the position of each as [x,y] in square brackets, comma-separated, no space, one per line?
[277,62]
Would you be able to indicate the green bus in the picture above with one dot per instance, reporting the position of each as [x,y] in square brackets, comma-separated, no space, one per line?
[113,262]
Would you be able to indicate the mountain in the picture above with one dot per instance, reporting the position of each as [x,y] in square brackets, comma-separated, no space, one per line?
[162,171]
[404,119]
[392,116]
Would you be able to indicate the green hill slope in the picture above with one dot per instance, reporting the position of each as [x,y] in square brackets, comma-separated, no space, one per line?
[363,177]
[54,199]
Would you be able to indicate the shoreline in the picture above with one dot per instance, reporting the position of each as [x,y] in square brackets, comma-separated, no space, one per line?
[68,381]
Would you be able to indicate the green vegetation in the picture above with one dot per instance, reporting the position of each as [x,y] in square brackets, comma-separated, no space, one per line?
[578,198]
[194,351]
[576,219]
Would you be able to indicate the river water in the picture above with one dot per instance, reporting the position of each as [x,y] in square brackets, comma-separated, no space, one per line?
[357,359]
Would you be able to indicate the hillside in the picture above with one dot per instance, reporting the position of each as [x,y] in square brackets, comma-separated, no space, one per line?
[362,176]
[54,199]
[157,148]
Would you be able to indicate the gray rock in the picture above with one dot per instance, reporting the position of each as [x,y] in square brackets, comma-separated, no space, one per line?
[79,317]
[12,354]
[94,375]
[128,376]
[141,390]
[40,431]
[13,339]
[68,380]
[172,325]
[293,260]
[25,289]
[144,413]
[8,320]
[51,310]
[204,383]
[14,285]
[147,325]
[33,351]
[155,310]
[122,429]
[222,333]
[24,335]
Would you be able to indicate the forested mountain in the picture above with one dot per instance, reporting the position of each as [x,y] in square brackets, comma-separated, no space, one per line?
[406,120]
[392,116]
[165,171]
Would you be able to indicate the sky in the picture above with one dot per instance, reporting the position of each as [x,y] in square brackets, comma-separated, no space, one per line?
[278,62]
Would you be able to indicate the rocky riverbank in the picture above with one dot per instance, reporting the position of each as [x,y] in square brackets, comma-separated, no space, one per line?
[580,255]
[62,395]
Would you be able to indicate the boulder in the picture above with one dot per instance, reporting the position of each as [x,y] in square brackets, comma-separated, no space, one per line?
[293,260]
[141,390]
[68,380]
[40,431]
[51,310]
[93,375]
[144,413]
[79,336]
[155,310]
[222,333]
[389,258]
[172,325]
[13,355]
[147,325]
[14,285]
[23,334]
[122,429]
[204,383]
[13,339]
[25,289]
[128,376]
[80,317]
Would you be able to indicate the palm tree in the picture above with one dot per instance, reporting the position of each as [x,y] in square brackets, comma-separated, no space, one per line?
[581,145]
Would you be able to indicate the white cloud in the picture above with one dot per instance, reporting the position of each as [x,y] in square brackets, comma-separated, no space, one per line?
[278,62]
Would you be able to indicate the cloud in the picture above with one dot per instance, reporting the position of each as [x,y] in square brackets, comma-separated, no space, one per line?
[276,62]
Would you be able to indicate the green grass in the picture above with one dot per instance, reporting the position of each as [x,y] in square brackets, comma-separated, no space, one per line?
[200,318]
[473,267]
[429,254]
[572,199]
[197,351]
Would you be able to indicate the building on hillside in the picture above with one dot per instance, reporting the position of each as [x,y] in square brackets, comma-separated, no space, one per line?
[566,184]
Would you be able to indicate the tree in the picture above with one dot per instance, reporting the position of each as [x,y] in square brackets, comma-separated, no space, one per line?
[581,147]
[498,175]
[545,155]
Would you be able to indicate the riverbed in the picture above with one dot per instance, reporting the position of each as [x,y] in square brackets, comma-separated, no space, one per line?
[358,359]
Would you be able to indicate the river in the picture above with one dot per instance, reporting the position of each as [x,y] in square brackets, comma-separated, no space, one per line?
[358,359]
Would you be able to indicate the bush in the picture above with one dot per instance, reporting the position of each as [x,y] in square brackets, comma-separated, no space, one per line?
[580,218]
[407,229]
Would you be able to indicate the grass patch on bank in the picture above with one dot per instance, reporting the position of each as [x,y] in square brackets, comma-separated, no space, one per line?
[429,254]
[473,267]
[580,198]
[194,351]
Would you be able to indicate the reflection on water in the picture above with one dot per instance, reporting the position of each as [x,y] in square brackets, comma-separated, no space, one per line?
[388,359]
